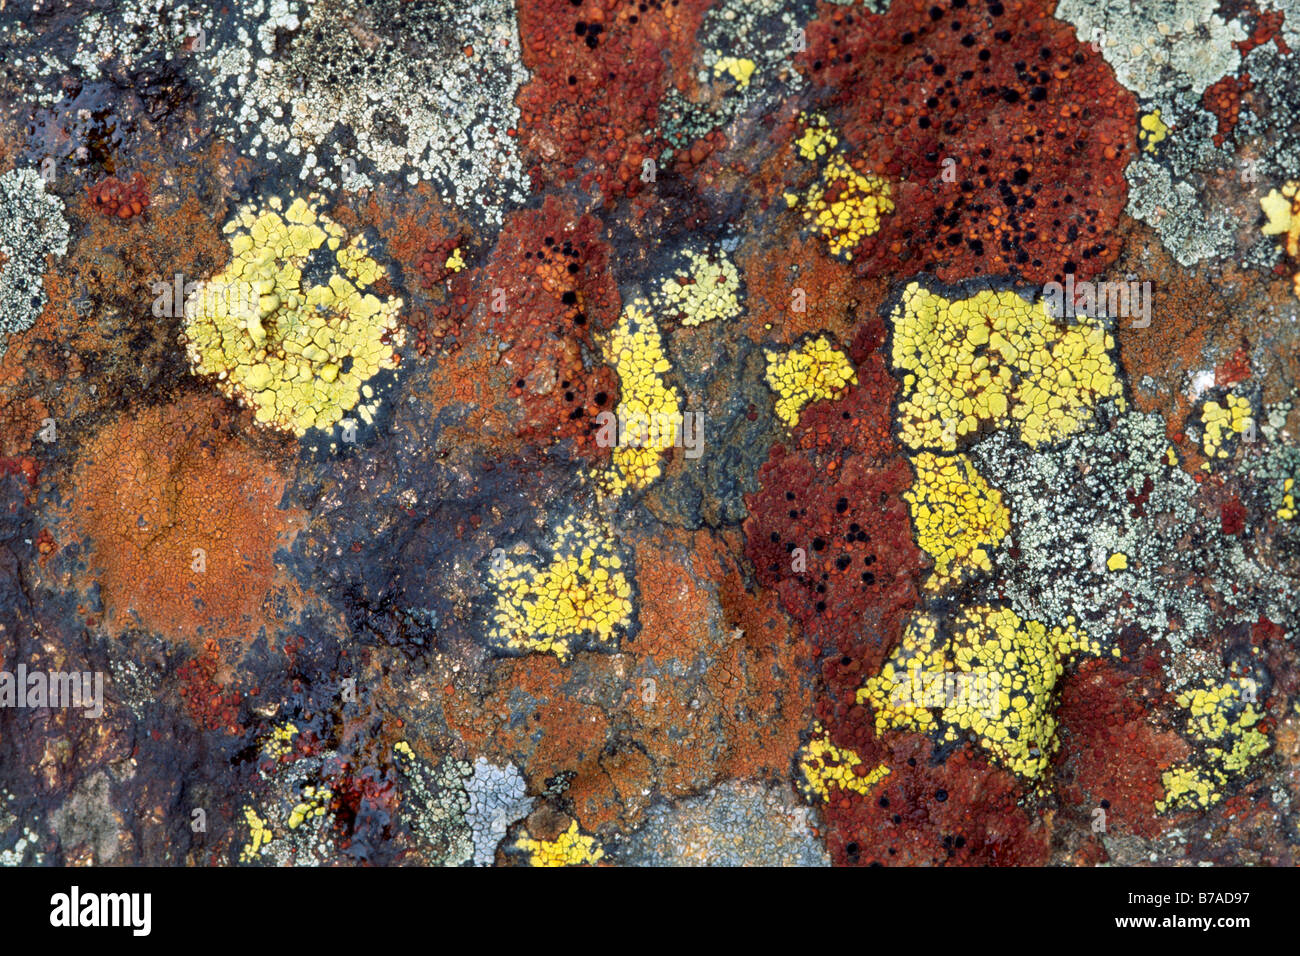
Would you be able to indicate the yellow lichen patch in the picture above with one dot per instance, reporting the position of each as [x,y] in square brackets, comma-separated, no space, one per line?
[1286,511]
[1152,130]
[287,327]
[818,138]
[958,516]
[313,805]
[996,358]
[823,765]
[1220,422]
[583,591]
[455,262]
[649,414]
[807,373]
[845,205]
[707,290]
[1282,207]
[1220,716]
[738,68]
[570,848]
[280,743]
[259,835]
[1117,562]
[994,679]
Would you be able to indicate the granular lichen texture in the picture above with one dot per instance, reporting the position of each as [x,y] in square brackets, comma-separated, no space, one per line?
[588,433]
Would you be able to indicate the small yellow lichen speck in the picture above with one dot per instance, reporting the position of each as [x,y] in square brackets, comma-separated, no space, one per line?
[1152,130]
[1286,511]
[582,591]
[739,69]
[810,372]
[958,516]
[823,765]
[298,352]
[1221,422]
[570,848]
[996,359]
[997,675]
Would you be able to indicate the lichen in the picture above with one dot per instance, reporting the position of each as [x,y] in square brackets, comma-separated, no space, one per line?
[1011,666]
[298,347]
[996,360]
[32,228]
[809,372]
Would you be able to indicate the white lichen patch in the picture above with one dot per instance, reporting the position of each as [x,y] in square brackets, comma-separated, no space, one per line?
[32,228]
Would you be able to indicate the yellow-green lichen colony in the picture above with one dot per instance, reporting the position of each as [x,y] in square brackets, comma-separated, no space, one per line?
[809,372]
[1004,696]
[583,591]
[995,360]
[649,413]
[959,517]
[298,352]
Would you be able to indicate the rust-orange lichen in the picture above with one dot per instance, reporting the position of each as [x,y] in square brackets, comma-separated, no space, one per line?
[183,521]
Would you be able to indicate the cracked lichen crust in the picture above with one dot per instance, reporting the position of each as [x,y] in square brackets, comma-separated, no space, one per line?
[738,823]
[582,595]
[959,518]
[809,372]
[995,360]
[705,287]
[845,205]
[1103,493]
[821,766]
[1005,669]
[649,415]
[1224,717]
[288,327]
[570,848]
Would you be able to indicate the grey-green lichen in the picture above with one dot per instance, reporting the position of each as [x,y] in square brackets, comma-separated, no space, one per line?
[32,228]
[427,91]
[1178,578]
[497,799]
[747,50]
[459,813]
[331,92]
[1196,193]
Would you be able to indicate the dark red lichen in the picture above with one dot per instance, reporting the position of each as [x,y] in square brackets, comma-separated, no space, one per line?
[117,199]
[599,71]
[1036,130]
[546,291]
[1223,99]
